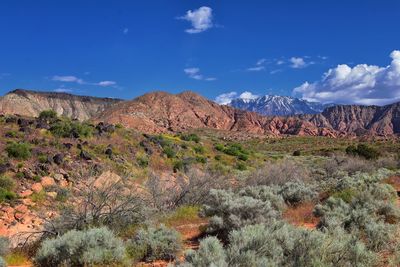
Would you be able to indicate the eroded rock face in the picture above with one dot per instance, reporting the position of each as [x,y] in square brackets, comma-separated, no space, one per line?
[31,103]
[160,112]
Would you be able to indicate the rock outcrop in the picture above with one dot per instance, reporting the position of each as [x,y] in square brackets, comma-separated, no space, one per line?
[31,103]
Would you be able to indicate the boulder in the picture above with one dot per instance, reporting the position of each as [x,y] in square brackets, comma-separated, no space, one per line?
[37,187]
[47,181]
[58,158]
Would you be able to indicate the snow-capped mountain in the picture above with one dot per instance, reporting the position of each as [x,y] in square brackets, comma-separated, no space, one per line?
[272,105]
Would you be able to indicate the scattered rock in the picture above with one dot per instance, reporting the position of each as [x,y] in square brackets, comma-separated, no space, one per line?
[37,187]
[68,145]
[26,193]
[108,151]
[47,181]
[58,177]
[52,194]
[58,158]
[85,155]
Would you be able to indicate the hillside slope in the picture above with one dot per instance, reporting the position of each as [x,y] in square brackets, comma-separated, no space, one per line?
[31,103]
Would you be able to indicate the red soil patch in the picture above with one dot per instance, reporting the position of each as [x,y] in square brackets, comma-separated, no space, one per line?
[393,181]
[302,216]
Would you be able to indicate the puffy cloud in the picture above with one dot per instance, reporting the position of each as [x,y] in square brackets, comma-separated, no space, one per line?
[248,96]
[297,62]
[201,19]
[125,31]
[226,98]
[194,73]
[361,84]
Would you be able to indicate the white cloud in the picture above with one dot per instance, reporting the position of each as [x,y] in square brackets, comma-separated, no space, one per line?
[297,63]
[201,19]
[67,79]
[280,62]
[248,96]
[259,66]
[125,31]
[107,83]
[225,98]
[194,73]
[361,84]
[74,79]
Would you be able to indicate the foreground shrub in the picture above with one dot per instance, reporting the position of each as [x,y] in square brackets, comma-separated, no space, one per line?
[159,243]
[6,186]
[280,244]
[81,248]
[230,211]
[18,150]
[210,253]
[296,192]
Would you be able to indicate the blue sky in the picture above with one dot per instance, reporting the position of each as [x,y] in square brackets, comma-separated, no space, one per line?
[127,48]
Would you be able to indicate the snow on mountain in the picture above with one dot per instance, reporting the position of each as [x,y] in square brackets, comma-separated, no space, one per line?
[273,105]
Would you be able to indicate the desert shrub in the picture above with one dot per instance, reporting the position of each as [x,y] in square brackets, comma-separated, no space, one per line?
[296,192]
[169,152]
[336,165]
[6,183]
[142,161]
[155,244]
[18,150]
[230,211]
[280,244]
[202,160]
[190,190]
[115,205]
[199,149]
[48,115]
[178,166]
[210,253]
[6,189]
[278,173]
[68,128]
[241,166]
[190,137]
[4,245]
[363,150]
[81,248]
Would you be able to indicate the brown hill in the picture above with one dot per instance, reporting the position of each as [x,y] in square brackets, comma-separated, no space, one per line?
[31,103]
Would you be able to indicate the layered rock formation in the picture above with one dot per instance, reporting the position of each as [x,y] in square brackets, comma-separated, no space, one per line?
[31,103]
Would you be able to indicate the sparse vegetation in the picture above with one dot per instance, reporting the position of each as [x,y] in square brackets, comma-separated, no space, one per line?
[18,150]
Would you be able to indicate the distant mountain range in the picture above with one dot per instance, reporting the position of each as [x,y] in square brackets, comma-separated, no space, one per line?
[274,105]
[159,112]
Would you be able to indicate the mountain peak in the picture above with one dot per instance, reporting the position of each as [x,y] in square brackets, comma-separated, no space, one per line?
[275,105]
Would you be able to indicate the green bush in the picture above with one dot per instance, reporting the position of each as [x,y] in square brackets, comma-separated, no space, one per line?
[142,161]
[296,192]
[363,150]
[190,137]
[18,150]
[97,246]
[199,149]
[68,128]
[169,152]
[155,244]
[178,166]
[48,115]
[6,189]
